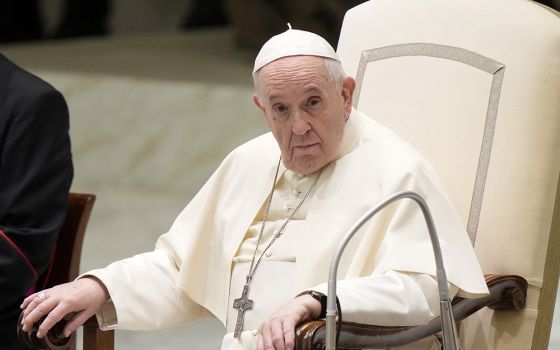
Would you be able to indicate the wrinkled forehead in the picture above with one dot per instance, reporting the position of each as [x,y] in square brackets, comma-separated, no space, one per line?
[294,72]
[294,65]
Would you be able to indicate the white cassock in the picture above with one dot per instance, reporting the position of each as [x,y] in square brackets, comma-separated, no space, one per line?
[198,267]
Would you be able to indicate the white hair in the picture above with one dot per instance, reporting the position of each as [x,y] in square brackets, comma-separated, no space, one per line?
[334,70]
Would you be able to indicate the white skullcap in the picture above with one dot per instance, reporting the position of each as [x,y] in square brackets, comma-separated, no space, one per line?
[293,42]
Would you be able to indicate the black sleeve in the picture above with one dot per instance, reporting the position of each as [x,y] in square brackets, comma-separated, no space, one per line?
[35,176]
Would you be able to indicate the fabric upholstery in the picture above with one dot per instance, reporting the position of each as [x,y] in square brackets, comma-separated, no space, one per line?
[434,76]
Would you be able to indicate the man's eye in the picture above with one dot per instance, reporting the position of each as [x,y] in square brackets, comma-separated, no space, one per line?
[280,109]
[313,101]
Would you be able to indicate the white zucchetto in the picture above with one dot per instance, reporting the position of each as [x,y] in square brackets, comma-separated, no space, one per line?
[293,42]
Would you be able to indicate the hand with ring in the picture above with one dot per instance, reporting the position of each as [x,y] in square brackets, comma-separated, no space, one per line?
[83,297]
[42,296]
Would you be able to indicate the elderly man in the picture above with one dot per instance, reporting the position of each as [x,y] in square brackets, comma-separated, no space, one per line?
[253,246]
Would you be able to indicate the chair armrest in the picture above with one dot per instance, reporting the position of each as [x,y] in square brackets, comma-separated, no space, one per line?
[54,339]
[94,338]
[507,292]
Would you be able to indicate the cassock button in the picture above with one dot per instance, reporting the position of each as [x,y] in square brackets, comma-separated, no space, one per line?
[268,253]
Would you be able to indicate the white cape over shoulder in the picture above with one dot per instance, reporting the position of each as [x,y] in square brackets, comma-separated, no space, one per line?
[188,274]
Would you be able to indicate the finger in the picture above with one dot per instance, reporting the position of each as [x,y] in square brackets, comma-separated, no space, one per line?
[52,317]
[260,345]
[26,301]
[277,331]
[266,337]
[29,305]
[77,320]
[289,339]
[33,301]
[289,334]
[35,310]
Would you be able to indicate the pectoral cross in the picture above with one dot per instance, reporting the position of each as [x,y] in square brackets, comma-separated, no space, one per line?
[241,305]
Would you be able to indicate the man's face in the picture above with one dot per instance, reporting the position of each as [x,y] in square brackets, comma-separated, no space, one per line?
[304,109]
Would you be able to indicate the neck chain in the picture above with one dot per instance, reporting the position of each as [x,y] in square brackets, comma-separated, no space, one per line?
[243,303]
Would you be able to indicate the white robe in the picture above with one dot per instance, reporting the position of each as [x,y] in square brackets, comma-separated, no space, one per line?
[192,263]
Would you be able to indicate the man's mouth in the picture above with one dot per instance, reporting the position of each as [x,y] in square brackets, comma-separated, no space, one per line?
[305,147]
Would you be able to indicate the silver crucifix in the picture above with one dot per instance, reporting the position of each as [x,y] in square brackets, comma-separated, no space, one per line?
[241,305]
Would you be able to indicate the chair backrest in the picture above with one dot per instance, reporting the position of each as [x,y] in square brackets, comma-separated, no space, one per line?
[66,259]
[475,86]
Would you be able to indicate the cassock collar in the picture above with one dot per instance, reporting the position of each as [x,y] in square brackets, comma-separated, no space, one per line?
[350,136]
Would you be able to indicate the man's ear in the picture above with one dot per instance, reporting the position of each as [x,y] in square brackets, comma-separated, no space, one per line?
[348,86]
[257,102]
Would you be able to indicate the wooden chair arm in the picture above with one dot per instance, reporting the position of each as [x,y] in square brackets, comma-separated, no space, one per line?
[507,292]
[94,338]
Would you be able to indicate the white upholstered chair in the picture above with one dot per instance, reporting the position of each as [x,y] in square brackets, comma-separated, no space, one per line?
[475,86]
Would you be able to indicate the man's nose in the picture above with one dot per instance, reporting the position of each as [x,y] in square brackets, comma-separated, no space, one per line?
[300,123]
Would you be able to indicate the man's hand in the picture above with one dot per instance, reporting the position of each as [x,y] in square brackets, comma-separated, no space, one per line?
[278,331]
[83,297]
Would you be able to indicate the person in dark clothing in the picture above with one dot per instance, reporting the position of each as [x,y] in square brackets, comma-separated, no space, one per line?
[35,176]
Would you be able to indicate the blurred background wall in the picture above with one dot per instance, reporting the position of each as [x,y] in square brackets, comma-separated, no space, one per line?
[253,20]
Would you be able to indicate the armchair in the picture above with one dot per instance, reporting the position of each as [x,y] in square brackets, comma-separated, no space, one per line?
[474,86]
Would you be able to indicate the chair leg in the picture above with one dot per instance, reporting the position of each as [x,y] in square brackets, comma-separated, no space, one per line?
[96,339]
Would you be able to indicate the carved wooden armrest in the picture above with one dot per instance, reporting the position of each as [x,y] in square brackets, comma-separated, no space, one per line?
[54,339]
[94,338]
[507,292]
